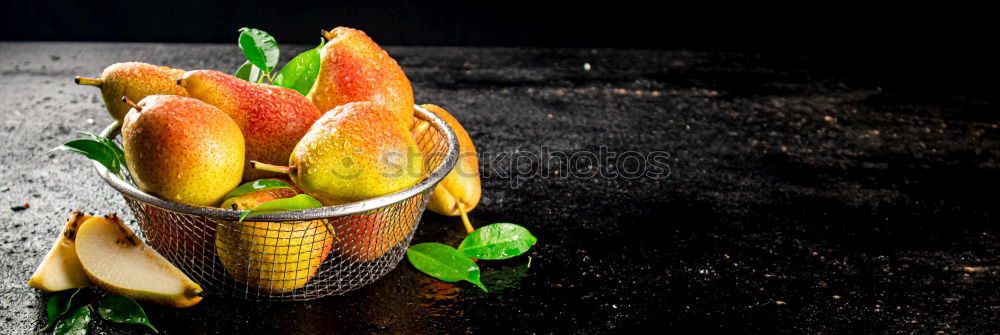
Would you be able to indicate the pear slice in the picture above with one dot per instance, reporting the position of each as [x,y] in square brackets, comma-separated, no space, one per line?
[60,269]
[120,263]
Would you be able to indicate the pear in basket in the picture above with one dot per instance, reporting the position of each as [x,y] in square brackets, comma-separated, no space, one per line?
[368,236]
[354,152]
[272,118]
[273,257]
[182,149]
[133,80]
[354,68]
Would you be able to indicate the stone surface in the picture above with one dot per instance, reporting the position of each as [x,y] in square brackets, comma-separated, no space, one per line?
[803,195]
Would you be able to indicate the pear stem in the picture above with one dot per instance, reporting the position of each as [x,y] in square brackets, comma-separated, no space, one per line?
[88,81]
[272,168]
[131,103]
[328,35]
[465,218]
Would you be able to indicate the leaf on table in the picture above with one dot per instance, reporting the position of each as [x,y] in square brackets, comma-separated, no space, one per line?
[123,309]
[259,48]
[58,305]
[256,185]
[298,202]
[444,262]
[300,73]
[497,241]
[249,72]
[74,324]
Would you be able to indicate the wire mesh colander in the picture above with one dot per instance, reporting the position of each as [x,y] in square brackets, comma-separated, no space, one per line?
[298,255]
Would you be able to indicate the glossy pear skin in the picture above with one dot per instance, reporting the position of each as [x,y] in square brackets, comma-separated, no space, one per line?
[136,81]
[275,257]
[354,152]
[369,236]
[354,68]
[272,118]
[183,149]
[461,185]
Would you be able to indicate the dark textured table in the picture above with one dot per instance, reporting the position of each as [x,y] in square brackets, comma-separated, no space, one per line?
[804,195]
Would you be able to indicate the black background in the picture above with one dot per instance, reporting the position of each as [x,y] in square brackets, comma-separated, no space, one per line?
[840,27]
[952,44]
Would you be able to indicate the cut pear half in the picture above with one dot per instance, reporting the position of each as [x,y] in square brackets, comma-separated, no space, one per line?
[60,269]
[119,262]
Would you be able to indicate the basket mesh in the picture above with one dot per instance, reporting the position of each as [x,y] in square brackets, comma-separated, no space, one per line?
[289,260]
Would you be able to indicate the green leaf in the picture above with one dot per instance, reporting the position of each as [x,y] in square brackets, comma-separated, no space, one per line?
[256,185]
[259,48]
[75,323]
[497,241]
[109,143]
[249,72]
[57,306]
[122,309]
[298,202]
[96,150]
[444,262]
[300,73]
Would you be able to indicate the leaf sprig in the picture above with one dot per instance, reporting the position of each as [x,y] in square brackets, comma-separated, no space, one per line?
[492,242]
[114,308]
[98,148]
[262,54]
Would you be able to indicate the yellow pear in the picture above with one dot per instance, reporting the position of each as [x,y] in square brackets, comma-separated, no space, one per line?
[61,269]
[354,152]
[119,262]
[133,80]
[275,257]
[460,190]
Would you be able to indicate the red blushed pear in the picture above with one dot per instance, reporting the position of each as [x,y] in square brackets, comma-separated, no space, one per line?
[182,149]
[354,152]
[354,68]
[272,118]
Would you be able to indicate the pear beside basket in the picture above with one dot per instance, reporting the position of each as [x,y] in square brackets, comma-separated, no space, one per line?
[298,255]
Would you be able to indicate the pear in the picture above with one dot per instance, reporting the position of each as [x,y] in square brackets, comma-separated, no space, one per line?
[183,149]
[354,68]
[272,118]
[354,152]
[368,236]
[133,80]
[460,190]
[61,269]
[120,263]
[274,257]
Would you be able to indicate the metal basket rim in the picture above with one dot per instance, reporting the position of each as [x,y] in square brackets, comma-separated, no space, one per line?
[432,179]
